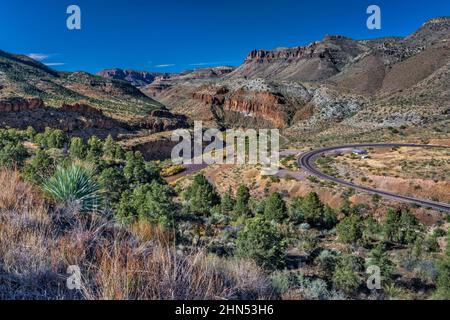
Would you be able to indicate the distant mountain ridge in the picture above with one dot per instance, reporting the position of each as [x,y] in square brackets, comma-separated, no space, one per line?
[335,80]
[136,78]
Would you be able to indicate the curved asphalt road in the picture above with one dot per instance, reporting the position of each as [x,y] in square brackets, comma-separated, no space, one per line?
[307,161]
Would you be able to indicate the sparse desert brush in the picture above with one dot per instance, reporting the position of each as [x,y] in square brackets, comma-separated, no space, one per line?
[38,242]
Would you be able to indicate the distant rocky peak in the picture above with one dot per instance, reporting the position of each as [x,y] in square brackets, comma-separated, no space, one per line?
[442,21]
[136,78]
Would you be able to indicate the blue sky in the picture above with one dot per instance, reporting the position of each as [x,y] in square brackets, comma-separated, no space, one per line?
[175,35]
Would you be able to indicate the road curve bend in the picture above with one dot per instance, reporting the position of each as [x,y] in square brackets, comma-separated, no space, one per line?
[308,162]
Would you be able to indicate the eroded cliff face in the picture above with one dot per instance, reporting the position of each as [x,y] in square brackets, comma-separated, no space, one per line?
[163,120]
[82,108]
[269,108]
[20,104]
[265,105]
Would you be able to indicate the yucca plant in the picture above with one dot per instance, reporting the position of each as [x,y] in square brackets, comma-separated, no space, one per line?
[74,184]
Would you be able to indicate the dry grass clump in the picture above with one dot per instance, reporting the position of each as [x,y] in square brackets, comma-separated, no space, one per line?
[39,242]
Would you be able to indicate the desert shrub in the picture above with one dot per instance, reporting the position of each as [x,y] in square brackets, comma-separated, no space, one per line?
[260,241]
[116,262]
[283,281]
[275,208]
[346,274]
[431,244]
[74,184]
[296,213]
[327,260]
[172,170]
[201,196]
[317,289]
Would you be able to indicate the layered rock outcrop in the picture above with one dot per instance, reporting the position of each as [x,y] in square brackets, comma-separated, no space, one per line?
[82,108]
[20,104]
[163,120]
[265,105]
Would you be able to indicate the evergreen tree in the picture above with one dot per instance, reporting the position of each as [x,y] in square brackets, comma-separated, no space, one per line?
[241,207]
[260,241]
[134,170]
[227,202]
[380,258]
[349,230]
[201,196]
[401,227]
[113,182]
[95,148]
[150,202]
[109,147]
[345,276]
[77,148]
[40,166]
[275,208]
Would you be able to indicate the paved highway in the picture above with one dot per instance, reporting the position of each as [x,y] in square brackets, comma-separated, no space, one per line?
[308,162]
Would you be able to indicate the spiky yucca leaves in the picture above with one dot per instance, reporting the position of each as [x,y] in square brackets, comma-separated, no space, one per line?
[75,184]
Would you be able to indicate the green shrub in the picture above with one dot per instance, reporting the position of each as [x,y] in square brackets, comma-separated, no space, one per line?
[346,275]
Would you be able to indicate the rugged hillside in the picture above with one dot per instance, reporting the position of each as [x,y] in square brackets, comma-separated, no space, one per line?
[317,61]
[365,84]
[21,76]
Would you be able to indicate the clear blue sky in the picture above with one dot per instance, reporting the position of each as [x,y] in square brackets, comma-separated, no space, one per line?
[174,35]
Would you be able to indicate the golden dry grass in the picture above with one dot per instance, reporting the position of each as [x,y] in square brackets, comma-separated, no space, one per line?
[38,243]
